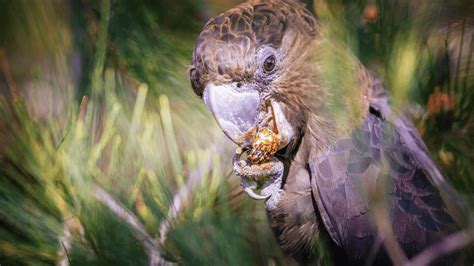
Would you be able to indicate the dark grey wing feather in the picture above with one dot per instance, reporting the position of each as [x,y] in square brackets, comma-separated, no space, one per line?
[346,178]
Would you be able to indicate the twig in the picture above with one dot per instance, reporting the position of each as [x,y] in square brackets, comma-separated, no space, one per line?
[65,240]
[117,208]
[82,109]
[448,245]
[393,248]
[66,253]
[178,198]
[374,250]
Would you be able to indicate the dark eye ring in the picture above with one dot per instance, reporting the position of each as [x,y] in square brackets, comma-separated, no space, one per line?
[269,63]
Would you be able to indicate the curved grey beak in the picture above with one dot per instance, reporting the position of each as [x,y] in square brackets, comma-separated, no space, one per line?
[235,109]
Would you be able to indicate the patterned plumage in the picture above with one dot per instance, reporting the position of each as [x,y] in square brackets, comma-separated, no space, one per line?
[221,50]
[345,150]
[385,149]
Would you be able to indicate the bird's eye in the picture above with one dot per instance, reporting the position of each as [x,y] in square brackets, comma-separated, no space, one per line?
[269,63]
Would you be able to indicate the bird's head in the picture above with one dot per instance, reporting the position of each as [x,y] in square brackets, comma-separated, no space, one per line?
[250,61]
[256,66]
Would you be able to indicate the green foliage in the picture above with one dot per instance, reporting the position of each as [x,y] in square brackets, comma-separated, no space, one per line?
[145,138]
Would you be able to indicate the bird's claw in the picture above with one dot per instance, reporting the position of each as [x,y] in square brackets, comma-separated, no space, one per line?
[254,195]
[266,176]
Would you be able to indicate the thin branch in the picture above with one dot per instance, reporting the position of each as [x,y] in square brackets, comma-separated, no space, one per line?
[374,250]
[448,245]
[179,197]
[66,252]
[82,109]
[140,232]
[65,241]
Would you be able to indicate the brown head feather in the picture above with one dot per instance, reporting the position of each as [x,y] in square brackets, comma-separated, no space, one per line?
[226,47]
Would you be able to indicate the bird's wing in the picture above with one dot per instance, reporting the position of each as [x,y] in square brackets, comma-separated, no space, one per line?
[384,160]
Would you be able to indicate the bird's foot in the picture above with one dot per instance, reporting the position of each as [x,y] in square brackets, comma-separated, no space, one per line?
[267,177]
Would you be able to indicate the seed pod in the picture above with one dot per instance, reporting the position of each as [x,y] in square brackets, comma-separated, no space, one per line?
[265,145]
